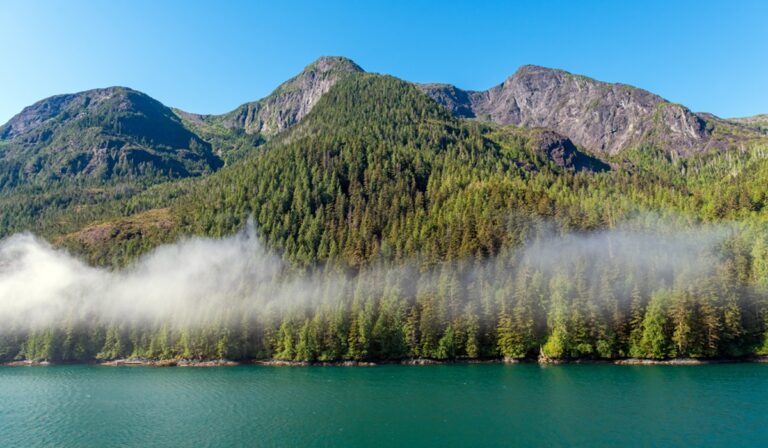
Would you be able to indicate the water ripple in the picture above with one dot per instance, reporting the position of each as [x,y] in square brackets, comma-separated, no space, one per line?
[83,406]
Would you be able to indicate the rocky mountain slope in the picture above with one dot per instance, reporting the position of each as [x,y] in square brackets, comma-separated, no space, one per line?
[550,146]
[602,117]
[117,133]
[288,104]
[422,235]
[100,135]
[758,122]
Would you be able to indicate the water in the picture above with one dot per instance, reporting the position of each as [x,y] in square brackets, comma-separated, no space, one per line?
[459,405]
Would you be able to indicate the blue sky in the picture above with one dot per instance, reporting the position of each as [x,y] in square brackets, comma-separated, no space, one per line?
[209,57]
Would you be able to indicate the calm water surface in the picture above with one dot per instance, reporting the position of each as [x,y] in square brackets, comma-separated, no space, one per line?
[459,405]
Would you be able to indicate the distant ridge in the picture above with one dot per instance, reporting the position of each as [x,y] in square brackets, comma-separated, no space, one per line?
[603,117]
[290,102]
[99,135]
[117,132]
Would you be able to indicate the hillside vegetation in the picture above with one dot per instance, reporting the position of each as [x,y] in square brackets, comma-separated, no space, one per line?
[450,238]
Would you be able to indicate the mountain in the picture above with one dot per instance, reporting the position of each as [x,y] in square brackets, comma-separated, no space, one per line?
[541,124]
[405,231]
[758,122]
[115,133]
[372,156]
[118,133]
[100,135]
[289,103]
[602,117]
[555,148]
[424,236]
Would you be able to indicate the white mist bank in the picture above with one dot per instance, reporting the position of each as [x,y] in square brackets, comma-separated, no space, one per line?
[188,281]
[193,280]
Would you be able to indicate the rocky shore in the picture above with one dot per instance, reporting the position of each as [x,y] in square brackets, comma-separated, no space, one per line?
[25,363]
[672,362]
[409,362]
[284,363]
[170,362]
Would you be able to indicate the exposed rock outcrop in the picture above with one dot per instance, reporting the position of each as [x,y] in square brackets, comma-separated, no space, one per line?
[562,152]
[602,117]
[290,102]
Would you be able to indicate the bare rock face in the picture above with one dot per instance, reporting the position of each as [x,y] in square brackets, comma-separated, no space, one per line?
[290,102]
[556,148]
[457,101]
[563,152]
[602,117]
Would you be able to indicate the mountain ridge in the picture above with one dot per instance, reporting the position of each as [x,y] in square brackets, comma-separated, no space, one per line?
[488,241]
[288,103]
[72,136]
[98,135]
[605,118]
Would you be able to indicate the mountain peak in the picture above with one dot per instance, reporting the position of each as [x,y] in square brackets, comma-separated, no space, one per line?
[532,69]
[325,64]
[605,118]
[293,99]
[31,117]
[100,134]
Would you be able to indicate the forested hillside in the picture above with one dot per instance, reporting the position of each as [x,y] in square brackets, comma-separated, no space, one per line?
[97,136]
[421,234]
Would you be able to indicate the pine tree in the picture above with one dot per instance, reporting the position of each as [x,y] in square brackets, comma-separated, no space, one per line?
[558,343]
[655,343]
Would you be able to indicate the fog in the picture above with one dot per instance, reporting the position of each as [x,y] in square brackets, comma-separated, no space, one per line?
[187,281]
[193,280]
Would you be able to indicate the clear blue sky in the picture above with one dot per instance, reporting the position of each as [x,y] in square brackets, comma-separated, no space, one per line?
[209,57]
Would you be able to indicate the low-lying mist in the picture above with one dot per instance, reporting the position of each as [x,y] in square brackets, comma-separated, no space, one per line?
[197,280]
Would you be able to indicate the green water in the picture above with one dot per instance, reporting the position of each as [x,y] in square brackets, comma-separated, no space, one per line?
[459,405]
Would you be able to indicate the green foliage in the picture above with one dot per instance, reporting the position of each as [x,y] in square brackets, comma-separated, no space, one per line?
[655,339]
[98,136]
[377,176]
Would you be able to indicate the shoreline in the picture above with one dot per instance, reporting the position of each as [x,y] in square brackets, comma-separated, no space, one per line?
[140,362]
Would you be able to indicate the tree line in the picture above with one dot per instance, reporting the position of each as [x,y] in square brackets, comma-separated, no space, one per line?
[377,176]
